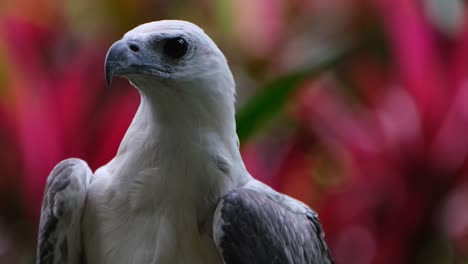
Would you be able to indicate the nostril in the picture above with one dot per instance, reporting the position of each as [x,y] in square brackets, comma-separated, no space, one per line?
[134,47]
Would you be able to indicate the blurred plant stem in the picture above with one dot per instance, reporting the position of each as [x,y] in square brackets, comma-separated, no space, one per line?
[224,17]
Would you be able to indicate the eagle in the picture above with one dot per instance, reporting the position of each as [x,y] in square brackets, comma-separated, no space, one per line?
[177,190]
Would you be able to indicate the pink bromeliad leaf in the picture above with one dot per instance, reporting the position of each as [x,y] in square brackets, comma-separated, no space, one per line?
[417,59]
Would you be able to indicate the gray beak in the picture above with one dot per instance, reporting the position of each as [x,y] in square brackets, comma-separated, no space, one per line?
[120,60]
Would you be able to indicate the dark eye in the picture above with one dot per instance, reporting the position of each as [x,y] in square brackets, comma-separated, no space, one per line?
[175,47]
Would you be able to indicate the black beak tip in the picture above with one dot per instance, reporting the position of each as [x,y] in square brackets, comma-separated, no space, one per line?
[109,67]
[116,57]
[109,76]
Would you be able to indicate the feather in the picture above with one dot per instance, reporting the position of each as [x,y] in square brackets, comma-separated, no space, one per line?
[257,224]
[59,238]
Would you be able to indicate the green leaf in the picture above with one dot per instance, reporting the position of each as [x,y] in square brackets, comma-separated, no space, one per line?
[270,100]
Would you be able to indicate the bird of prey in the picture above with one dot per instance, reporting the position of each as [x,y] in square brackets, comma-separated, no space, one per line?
[177,190]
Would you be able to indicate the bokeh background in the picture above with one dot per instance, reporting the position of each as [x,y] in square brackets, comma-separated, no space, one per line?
[357,107]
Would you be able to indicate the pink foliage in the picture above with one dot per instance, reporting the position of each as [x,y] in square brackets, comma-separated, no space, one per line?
[403,151]
[60,107]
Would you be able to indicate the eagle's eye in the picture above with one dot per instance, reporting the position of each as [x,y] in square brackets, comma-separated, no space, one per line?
[175,47]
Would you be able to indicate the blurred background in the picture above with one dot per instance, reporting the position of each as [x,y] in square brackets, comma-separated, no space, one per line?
[357,107]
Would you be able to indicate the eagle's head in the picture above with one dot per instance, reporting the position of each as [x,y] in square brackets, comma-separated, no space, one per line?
[175,65]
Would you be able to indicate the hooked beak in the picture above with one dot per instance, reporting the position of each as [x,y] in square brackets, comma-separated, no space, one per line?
[127,57]
[120,60]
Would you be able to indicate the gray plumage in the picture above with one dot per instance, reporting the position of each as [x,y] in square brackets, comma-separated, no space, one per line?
[177,190]
[59,239]
[257,226]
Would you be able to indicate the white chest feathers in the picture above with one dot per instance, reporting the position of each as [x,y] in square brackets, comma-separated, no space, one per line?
[155,215]
[163,236]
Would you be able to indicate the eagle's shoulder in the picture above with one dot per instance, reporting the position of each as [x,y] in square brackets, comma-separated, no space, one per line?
[258,224]
[59,235]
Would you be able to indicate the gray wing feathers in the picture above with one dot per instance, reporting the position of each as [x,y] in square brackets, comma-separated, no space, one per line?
[255,227]
[59,238]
